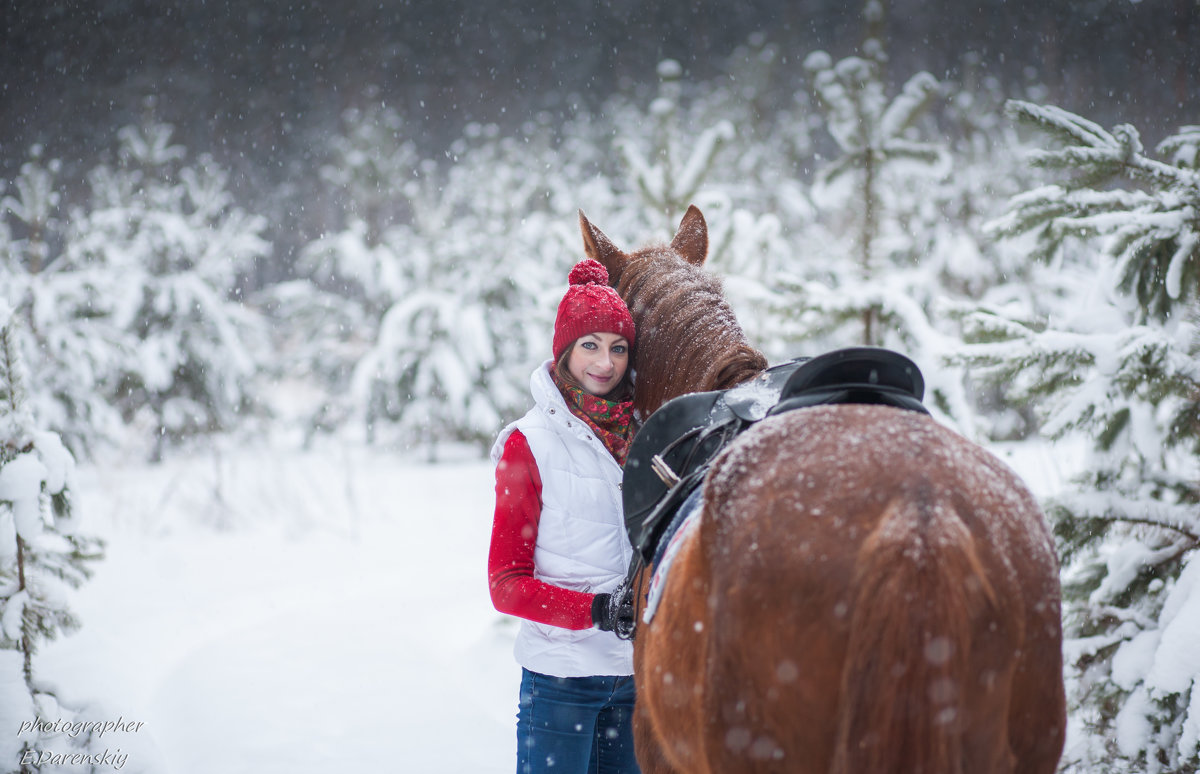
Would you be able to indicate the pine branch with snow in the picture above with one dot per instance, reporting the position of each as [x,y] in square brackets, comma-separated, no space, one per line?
[1116,363]
[870,129]
[1151,231]
[42,552]
[1128,526]
[13,396]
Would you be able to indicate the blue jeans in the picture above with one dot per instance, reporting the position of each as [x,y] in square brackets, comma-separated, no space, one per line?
[575,725]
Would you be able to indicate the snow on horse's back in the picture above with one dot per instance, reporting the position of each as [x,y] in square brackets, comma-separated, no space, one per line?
[866,591]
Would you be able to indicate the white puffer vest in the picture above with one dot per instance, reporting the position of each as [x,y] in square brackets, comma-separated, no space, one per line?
[581,541]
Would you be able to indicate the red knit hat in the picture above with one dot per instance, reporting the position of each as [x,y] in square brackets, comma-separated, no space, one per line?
[590,306]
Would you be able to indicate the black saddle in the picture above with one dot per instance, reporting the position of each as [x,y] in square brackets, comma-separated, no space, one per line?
[671,452]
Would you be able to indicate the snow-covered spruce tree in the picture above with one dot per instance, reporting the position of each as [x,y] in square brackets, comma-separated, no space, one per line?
[681,151]
[877,285]
[65,336]
[446,297]
[669,172]
[985,151]
[41,555]
[369,158]
[326,320]
[756,262]
[875,137]
[764,229]
[453,355]
[948,228]
[34,204]
[1118,368]
[169,249]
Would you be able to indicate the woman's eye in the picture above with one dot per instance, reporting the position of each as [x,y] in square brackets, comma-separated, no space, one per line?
[619,349]
[588,345]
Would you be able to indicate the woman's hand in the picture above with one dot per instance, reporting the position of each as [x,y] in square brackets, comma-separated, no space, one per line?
[614,612]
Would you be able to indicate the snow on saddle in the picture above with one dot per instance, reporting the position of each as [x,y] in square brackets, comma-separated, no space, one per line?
[672,451]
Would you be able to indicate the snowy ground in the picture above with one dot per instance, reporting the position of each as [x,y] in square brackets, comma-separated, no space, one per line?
[294,613]
[272,611]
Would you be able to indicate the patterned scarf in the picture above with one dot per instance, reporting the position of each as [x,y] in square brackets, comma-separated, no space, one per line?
[610,420]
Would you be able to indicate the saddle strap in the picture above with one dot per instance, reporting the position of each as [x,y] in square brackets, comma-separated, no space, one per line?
[653,524]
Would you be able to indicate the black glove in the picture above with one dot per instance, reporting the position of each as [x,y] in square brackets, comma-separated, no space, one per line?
[614,612]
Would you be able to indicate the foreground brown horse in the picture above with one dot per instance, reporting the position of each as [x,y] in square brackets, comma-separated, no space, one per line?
[867,592]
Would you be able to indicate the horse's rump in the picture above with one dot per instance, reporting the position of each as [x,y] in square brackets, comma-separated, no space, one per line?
[870,578]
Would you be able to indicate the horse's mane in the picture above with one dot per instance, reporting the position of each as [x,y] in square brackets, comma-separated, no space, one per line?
[688,338]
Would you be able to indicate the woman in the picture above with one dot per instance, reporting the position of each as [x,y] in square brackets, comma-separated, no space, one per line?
[559,548]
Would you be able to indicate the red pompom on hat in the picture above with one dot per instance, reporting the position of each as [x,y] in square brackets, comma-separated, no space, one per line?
[590,306]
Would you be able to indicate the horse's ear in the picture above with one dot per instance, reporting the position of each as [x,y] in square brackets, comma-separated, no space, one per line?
[691,240]
[599,248]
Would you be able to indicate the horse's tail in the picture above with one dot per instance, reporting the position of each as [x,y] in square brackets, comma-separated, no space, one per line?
[918,581]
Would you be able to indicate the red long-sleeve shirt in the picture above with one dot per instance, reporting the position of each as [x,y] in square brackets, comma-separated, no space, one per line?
[514,536]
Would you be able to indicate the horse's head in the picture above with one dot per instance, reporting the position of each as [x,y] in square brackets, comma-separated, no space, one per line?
[690,245]
[688,339]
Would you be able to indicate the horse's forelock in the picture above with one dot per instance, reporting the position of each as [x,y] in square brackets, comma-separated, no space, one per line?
[688,336]
[651,269]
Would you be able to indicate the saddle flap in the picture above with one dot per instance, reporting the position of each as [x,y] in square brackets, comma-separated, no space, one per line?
[661,435]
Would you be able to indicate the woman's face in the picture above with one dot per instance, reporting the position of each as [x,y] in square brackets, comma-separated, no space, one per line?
[598,361]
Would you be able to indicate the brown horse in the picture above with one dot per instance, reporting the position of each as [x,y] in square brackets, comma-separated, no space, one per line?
[866,592]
